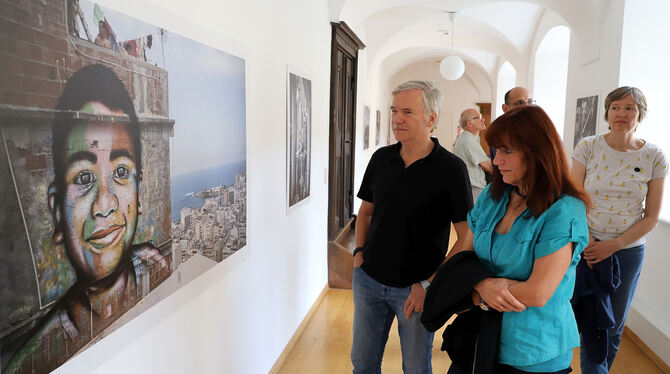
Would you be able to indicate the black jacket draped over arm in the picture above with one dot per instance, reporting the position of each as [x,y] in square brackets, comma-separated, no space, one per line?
[471,340]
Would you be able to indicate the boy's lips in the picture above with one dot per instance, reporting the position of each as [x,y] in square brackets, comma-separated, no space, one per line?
[105,236]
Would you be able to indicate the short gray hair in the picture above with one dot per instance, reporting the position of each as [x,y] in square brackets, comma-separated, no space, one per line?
[432,96]
[624,91]
[463,121]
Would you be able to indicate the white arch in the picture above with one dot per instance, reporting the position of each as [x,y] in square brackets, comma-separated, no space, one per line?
[505,80]
[551,74]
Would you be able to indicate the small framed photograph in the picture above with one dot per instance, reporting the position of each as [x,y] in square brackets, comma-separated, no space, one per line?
[299,137]
[586,117]
[366,127]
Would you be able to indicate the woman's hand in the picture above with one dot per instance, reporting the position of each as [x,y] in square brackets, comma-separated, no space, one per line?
[596,251]
[495,292]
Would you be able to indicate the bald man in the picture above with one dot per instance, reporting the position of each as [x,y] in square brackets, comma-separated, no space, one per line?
[517,97]
[469,149]
[514,98]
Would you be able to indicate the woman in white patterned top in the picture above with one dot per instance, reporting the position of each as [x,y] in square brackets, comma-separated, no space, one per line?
[624,176]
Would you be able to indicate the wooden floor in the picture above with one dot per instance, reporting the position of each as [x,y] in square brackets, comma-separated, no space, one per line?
[325,344]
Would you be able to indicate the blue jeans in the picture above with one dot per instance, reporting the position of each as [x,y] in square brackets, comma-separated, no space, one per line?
[375,306]
[630,263]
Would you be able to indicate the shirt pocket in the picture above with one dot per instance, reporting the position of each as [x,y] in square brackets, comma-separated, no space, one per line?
[516,256]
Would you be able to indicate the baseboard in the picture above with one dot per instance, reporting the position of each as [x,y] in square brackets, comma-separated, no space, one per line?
[647,350]
[294,339]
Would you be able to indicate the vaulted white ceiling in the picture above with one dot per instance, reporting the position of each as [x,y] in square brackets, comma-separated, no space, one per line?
[487,33]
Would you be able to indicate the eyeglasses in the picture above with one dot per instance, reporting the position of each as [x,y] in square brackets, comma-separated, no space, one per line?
[521,102]
[478,117]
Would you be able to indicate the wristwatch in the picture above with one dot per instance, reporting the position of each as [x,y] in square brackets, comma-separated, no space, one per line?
[358,249]
[425,283]
[482,303]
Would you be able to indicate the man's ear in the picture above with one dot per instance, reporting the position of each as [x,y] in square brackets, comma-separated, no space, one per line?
[504,108]
[54,209]
[432,119]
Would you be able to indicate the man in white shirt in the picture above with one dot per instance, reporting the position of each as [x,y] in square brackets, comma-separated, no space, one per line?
[470,150]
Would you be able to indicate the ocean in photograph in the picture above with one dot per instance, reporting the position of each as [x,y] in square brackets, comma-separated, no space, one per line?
[185,186]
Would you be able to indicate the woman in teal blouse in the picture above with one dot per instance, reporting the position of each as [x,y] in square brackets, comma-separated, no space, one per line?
[529,227]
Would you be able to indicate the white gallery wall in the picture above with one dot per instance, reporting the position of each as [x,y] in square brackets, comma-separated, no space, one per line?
[593,66]
[363,98]
[644,60]
[239,316]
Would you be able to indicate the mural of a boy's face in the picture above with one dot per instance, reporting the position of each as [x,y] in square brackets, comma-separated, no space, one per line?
[98,216]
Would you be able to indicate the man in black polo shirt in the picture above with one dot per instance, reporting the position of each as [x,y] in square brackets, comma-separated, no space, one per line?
[411,192]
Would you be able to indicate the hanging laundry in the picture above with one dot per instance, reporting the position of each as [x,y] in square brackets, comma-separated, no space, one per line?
[131,47]
[144,48]
[112,37]
[138,49]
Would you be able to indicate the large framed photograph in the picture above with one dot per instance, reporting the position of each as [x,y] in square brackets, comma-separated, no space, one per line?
[299,137]
[586,117]
[122,171]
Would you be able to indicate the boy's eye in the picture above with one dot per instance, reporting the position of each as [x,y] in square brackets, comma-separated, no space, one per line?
[84,178]
[122,172]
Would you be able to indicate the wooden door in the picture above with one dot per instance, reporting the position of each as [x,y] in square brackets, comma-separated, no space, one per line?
[485,111]
[344,55]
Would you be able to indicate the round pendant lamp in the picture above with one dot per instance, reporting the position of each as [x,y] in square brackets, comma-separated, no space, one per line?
[452,67]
